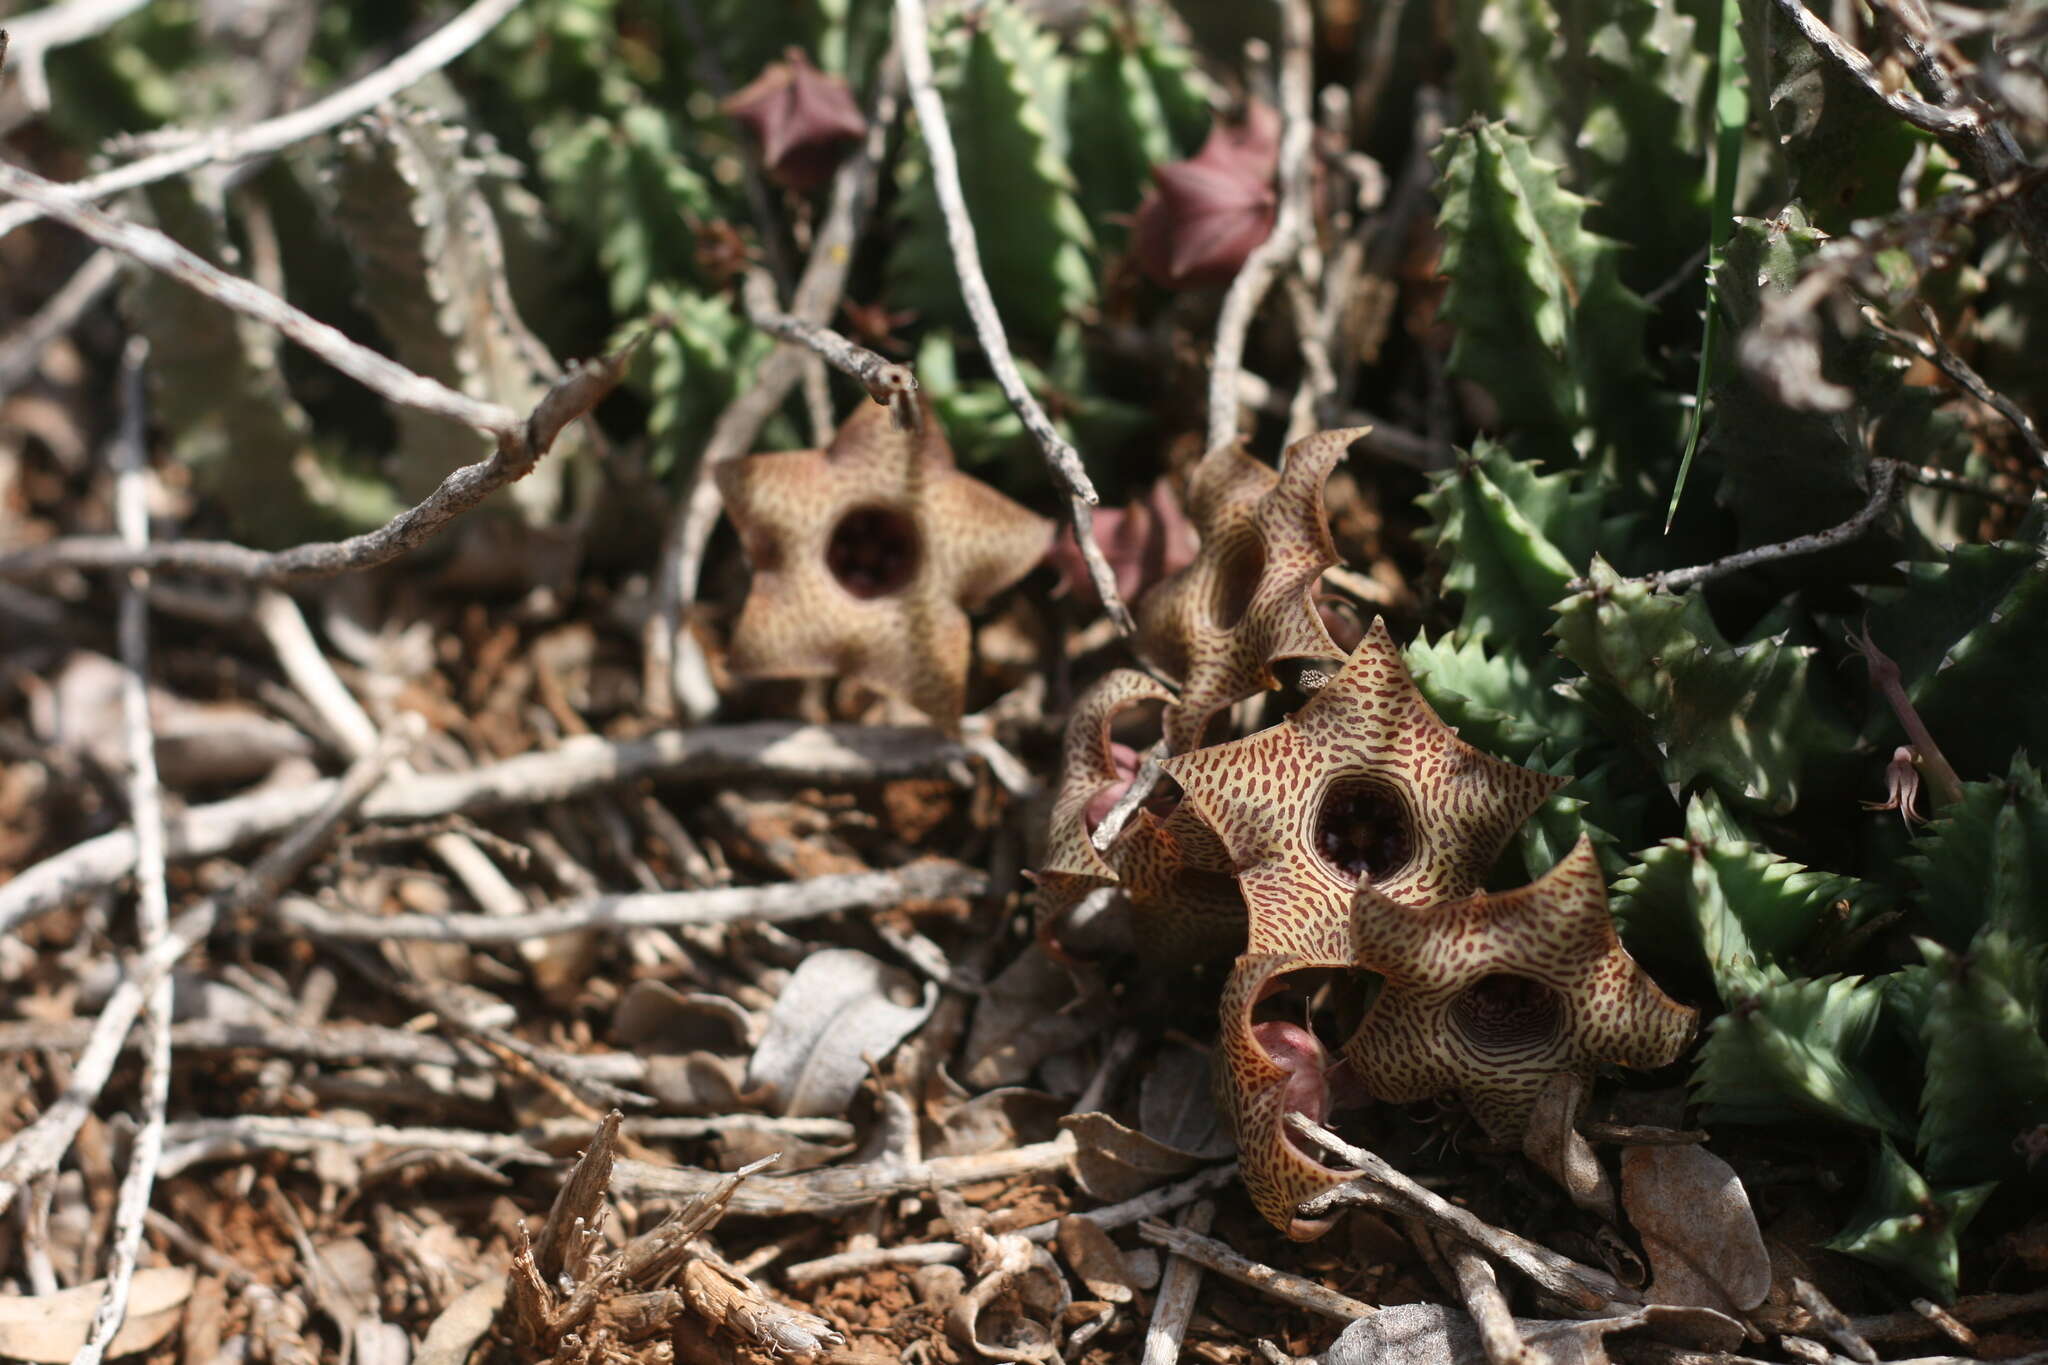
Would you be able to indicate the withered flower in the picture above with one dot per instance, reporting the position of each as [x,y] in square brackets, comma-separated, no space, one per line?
[804,120]
[1146,541]
[1203,216]
[867,558]
[1488,996]
[1247,600]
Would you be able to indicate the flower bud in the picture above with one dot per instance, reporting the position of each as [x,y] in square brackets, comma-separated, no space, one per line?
[1203,216]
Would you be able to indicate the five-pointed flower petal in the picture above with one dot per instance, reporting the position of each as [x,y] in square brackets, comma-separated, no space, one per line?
[1248,597]
[867,557]
[1489,995]
[1365,781]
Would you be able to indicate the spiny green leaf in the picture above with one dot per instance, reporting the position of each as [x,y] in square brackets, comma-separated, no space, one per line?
[1984,861]
[1987,1061]
[409,201]
[1509,535]
[1544,322]
[1970,636]
[1503,702]
[1005,93]
[1130,84]
[1903,1224]
[1727,900]
[1742,716]
[625,185]
[1792,1048]
[1844,148]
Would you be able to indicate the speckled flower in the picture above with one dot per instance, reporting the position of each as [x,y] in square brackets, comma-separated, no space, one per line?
[1184,900]
[1488,996]
[1363,783]
[1248,599]
[868,556]
[804,120]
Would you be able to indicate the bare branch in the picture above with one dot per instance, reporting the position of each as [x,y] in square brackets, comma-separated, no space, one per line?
[378,373]
[441,47]
[519,447]
[1290,224]
[1931,118]
[38,1148]
[771,904]
[152,895]
[33,36]
[1177,1288]
[1279,1284]
[675,670]
[1936,352]
[762,750]
[1884,481]
[887,383]
[22,351]
[1060,455]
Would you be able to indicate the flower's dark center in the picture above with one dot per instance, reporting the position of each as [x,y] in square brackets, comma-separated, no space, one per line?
[1503,1012]
[1237,578]
[874,551]
[1362,831]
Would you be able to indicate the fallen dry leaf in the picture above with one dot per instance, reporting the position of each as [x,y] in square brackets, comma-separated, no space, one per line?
[1114,1163]
[837,1013]
[1697,1228]
[53,1327]
[1177,1103]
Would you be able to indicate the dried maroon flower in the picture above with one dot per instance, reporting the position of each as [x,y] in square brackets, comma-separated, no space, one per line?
[804,120]
[1145,541]
[1204,216]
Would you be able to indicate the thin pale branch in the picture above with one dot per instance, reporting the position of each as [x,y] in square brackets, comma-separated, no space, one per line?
[378,373]
[912,42]
[22,351]
[1936,352]
[771,904]
[441,47]
[1290,225]
[768,750]
[1279,1284]
[38,1148]
[152,894]
[1884,482]
[675,671]
[1178,1287]
[518,449]
[887,382]
[33,36]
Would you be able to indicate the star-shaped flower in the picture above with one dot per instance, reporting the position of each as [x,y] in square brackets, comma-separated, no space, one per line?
[1248,597]
[1363,782]
[805,120]
[1184,899]
[1489,995]
[1264,1072]
[867,557]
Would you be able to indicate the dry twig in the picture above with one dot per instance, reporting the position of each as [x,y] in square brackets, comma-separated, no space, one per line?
[768,750]
[1207,1251]
[1290,225]
[40,1146]
[33,36]
[1177,1287]
[1060,456]
[22,351]
[152,895]
[1582,1286]
[438,49]
[771,904]
[521,443]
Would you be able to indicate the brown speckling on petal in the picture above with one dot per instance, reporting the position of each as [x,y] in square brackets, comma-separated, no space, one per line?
[868,556]
[1488,996]
[1180,882]
[1247,600]
[1363,781]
